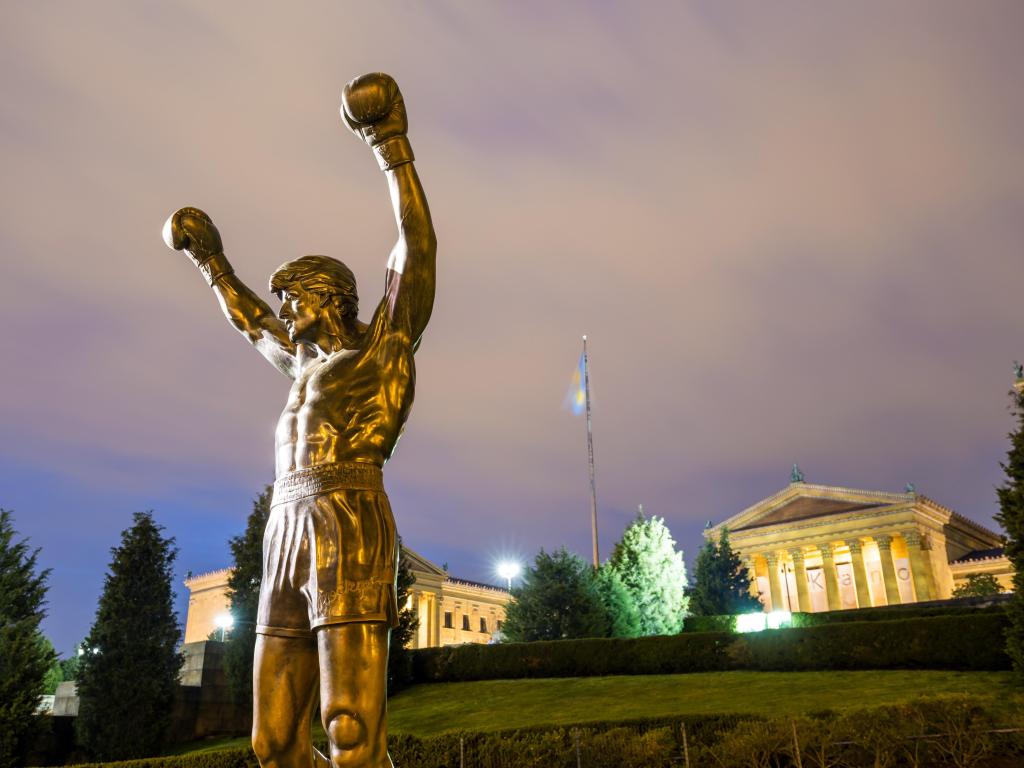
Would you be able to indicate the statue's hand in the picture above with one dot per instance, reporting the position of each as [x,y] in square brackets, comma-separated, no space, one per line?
[373,109]
[192,231]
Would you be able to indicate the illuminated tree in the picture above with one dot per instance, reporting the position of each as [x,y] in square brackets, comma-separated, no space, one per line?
[653,572]
[25,655]
[129,669]
[1011,517]
[721,583]
[558,599]
[243,597]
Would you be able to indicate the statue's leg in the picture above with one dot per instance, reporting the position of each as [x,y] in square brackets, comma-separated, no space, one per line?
[285,676]
[353,693]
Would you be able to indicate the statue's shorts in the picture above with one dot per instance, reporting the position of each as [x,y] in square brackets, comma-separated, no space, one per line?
[330,551]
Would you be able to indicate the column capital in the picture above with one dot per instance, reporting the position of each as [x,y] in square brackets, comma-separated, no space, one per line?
[914,538]
[855,545]
[772,558]
[797,554]
[884,542]
[826,551]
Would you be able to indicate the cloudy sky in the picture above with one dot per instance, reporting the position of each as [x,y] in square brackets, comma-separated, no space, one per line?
[793,232]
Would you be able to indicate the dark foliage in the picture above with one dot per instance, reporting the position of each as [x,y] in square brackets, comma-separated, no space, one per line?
[1011,517]
[978,585]
[965,641]
[128,673]
[25,656]
[721,583]
[399,660]
[558,599]
[243,598]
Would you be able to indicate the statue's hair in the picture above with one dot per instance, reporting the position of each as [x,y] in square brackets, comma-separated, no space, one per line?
[322,275]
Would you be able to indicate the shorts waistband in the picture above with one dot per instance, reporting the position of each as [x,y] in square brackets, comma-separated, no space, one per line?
[326,478]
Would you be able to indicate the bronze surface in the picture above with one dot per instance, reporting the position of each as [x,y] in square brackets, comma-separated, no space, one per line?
[352,388]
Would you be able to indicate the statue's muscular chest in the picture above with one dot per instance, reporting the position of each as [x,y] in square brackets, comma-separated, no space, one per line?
[324,392]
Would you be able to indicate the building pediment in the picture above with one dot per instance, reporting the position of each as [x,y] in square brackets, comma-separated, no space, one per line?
[418,564]
[804,501]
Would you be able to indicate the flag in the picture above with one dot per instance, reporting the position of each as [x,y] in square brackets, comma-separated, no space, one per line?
[576,398]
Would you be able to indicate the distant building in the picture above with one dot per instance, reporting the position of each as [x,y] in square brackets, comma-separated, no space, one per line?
[819,548]
[451,611]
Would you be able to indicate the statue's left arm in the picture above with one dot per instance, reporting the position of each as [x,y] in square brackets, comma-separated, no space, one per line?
[372,107]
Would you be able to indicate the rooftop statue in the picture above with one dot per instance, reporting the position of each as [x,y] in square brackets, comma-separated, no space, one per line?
[328,595]
[796,476]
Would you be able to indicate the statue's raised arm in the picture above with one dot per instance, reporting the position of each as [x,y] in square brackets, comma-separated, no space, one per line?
[192,231]
[372,107]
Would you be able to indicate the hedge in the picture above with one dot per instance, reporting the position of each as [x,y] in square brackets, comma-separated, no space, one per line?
[959,642]
[972,606]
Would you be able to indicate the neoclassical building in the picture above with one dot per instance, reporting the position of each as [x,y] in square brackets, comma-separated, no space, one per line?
[451,611]
[820,548]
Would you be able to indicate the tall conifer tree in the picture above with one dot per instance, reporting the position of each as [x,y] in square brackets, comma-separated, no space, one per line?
[557,599]
[721,583]
[25,656]
[653,572]
[129,669]
[399,660]
[1011,517]
[243,597]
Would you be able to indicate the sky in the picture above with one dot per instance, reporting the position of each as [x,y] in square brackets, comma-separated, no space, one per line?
[791,231]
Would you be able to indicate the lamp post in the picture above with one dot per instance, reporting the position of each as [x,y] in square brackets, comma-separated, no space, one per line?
[224,622]
[508,570]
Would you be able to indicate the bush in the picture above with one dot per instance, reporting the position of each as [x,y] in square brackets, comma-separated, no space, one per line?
[965,642]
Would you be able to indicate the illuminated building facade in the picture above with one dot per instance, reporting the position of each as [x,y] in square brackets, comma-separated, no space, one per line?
[821,548]
[451,611]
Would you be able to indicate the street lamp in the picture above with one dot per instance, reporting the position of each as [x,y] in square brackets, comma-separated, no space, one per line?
[508,570]
[224,622]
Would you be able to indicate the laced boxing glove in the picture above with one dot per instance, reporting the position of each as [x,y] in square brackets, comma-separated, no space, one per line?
[192,231]
[373,109]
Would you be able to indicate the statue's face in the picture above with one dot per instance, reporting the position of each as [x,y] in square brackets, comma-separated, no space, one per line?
[301,312]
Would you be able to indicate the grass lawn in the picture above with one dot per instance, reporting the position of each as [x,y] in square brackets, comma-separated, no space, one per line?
[426,710]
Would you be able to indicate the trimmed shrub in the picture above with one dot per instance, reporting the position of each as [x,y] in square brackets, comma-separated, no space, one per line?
[963,642]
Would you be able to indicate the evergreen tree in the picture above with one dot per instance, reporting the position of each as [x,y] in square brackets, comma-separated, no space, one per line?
[25,656]
[399,659]
[646,561]
[618,602]
[243,598]
[129,671]
[978,585]
[558,599]
[721,583]
[1011,517]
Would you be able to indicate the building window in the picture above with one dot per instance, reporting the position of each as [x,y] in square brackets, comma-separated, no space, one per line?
[483,624]
[447,619]
[465,622]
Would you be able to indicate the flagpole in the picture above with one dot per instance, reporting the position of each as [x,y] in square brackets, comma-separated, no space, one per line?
[590,454]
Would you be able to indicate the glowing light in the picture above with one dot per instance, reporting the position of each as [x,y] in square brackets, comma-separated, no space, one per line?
[508,570]
[778,619]
[224,620]
[751,622]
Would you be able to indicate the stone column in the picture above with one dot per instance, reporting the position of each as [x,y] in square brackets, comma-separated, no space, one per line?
[920,567]
[773,581]
[828,566]
[892,590]
[435,603]
[802,595]
[860,573]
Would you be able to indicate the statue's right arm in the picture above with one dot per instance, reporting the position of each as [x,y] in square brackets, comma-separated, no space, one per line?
[190,230]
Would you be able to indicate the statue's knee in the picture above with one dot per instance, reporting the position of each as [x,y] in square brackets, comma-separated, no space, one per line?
[347,732]
[265,746]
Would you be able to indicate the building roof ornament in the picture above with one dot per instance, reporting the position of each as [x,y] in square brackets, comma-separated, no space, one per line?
[796,476]
[1018,371]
